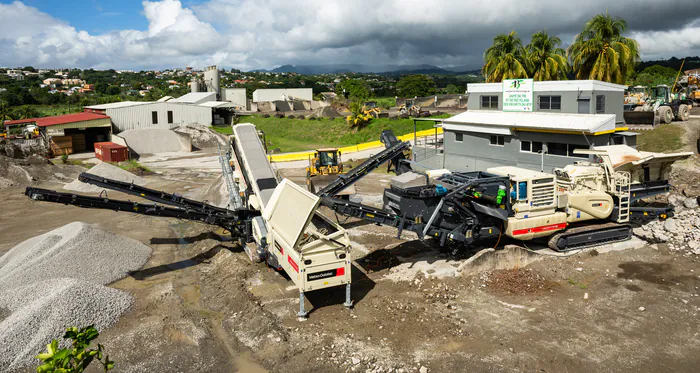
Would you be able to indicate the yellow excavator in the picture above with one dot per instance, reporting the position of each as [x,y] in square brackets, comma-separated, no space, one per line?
[324,167]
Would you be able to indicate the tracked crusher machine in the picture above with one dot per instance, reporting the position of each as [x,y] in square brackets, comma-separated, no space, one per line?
[278,221]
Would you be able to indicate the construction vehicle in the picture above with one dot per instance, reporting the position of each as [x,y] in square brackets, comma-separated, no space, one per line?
[580,205]
[324,167]
[274,221]
[412,110]
[635,96]
[661,107]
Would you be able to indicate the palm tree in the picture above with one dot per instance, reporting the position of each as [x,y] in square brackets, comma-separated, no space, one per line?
[28,112]
[600,52]
[545,59]
[6,112]
[505,59]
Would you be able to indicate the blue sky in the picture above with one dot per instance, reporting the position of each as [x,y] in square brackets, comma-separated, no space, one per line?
[251,34]
[97,16]
[94,16]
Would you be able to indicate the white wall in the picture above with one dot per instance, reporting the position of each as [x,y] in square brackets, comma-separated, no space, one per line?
[235,95]
[139,116]
[281,94]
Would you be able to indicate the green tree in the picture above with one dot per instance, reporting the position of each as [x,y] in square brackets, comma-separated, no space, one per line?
[28,112]
[354,88]
[112,90]
[601,52]
[546,61]
[415,85]
[6,112]
[452,89]
[505,58]
[655,75]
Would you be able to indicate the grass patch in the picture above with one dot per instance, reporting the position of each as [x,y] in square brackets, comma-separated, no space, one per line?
[134,167]
[663,138]
[291,135]
[384,103]
[51,110]
[580,285]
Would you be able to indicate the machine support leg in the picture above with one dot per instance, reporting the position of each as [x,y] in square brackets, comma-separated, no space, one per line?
[302,311]
[348,300]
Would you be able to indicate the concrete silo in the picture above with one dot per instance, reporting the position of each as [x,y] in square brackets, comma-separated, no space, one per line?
[211,79]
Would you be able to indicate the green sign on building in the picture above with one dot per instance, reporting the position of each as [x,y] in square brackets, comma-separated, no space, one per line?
[517,94]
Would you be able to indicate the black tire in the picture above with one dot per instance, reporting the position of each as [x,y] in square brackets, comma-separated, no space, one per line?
[683,112]
[665,114]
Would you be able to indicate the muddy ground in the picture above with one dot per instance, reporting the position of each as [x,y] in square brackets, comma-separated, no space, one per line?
[202,306]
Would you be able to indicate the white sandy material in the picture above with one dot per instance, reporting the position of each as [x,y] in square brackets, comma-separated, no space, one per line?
[108,171]
[55,280]
[156,140]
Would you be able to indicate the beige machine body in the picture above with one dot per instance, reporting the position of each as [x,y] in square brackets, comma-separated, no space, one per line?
[313,257]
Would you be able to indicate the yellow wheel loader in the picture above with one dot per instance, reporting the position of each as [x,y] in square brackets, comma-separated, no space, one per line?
[324,167]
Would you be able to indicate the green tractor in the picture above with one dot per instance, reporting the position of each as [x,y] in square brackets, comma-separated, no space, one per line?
[662,106]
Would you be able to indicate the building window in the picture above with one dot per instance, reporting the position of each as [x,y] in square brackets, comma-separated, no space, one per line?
[550,102]
[459,137]
[531,146]
[600,104]
[497,140]
[571,151]
[565,150]
[557,148]
[489,102]
[170,116]
[154,117]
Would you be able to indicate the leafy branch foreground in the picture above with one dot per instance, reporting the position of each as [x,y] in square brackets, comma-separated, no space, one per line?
[77,358]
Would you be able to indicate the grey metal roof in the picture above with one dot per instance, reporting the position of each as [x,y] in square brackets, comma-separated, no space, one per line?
[115,105]
[195,98]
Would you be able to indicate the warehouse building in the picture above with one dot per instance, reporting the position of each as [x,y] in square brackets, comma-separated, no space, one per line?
[192,108]
[479,139]
[70,133]
[283,94]
[562,96]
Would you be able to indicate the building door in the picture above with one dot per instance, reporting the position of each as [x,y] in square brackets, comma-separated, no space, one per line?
[584,106]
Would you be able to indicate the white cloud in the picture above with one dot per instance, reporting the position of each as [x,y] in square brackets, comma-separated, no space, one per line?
[266,33]
[680,42]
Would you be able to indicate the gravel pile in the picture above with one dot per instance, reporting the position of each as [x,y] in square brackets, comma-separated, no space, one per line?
[108,171]
[56,280]
[202,137]
[681,233]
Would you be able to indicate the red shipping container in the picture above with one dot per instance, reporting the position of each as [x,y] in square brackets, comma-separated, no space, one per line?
[111,152]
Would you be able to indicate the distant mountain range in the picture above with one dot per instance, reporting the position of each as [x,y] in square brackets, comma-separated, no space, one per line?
[373,69]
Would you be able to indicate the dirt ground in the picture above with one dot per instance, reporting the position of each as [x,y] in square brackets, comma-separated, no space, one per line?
[202,306]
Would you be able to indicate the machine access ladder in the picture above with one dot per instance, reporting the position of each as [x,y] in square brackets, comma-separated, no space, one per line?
[622,191]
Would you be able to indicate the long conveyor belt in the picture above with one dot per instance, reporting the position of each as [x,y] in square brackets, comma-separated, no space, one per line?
[236,223]
[152,194]
[357,173]
[252,161]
